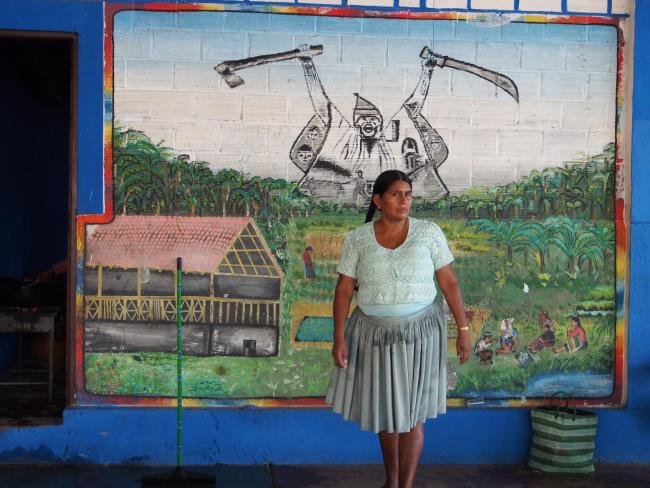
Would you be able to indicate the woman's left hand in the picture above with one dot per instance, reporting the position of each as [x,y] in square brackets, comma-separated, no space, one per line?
[463,347]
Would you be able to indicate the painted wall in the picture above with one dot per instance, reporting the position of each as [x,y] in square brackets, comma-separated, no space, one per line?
[518,124]
[108,435]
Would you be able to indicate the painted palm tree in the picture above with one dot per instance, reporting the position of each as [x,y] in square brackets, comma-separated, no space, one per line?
[246,196]
[300,202]
[492,206]
[227,179]
[136,163]
[510,234]
[596,199]
[583,174]
[589,252]
[130,176]
[605,239]
[514,198]
[548,200]
[534,188]
[474,206]
[604,179]
[419,204]
[198,188]
[538,237]
[265,187]
[564,237]
[457,202]
[166,191]
[443,206]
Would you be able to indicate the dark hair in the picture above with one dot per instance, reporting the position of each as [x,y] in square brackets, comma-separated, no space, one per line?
[576,319]
[382,183]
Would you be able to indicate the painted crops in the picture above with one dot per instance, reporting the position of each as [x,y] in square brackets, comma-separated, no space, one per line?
[247,143]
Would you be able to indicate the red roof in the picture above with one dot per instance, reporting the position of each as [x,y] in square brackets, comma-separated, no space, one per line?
[131,241]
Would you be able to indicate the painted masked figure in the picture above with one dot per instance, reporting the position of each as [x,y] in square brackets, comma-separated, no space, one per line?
[340,157]
[348,155]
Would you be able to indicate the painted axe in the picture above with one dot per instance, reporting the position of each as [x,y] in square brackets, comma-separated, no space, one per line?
[227,68]
[502,81]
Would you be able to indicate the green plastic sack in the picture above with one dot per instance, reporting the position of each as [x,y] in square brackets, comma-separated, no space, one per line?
[563,440]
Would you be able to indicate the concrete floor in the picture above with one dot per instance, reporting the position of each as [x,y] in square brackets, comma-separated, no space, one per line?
[325,476]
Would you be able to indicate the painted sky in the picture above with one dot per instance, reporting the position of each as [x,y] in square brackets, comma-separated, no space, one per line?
[165,85]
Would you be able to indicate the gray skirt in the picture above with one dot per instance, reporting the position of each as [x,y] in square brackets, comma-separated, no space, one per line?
[397,371]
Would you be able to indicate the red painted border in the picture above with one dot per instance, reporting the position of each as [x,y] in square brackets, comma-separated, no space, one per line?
[82,397]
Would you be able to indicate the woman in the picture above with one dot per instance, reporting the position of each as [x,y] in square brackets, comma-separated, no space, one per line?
[576,337]
[390,359]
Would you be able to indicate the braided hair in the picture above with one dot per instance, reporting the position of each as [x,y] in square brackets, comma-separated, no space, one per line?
[382,183]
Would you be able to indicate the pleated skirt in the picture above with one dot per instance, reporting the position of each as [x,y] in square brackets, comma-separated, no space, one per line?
[397,371]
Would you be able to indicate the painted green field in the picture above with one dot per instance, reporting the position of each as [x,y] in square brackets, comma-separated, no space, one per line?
[503,283]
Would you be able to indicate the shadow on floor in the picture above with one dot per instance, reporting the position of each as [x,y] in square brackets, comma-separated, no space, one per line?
[325,476]
[457,476]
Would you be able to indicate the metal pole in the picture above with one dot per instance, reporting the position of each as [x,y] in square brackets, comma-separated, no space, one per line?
[179,365]
[179,476]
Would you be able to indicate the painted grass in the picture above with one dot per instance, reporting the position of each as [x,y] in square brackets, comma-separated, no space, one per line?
[507,374]
[296,373]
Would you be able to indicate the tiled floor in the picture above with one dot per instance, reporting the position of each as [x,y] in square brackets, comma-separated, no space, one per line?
[325,476]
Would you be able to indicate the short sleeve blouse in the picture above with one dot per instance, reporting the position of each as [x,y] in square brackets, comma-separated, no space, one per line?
[395,276]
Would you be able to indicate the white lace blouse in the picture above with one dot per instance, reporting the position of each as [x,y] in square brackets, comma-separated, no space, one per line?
[395,276]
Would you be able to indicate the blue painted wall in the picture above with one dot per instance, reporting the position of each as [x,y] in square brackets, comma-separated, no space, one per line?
[138,435]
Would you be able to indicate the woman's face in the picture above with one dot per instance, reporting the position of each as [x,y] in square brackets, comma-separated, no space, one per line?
[396,203]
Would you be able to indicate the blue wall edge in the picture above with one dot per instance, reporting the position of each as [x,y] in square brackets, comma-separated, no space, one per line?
[315,436]
[242,436]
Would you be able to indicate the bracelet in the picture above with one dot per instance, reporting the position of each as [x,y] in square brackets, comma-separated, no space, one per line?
[463,328]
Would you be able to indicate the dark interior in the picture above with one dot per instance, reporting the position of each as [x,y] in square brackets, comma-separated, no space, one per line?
[35,91]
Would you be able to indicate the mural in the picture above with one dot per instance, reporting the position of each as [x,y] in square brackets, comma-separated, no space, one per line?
[231,283]
[247,144]
[345,170]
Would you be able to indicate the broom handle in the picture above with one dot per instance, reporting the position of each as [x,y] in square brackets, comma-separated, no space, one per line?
[179,366]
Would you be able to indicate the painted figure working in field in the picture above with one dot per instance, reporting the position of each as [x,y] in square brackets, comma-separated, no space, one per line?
[545,321]
[390,358]
[482,349]
[576,337]
[546,339]
[341,157]
[508,340]
[308,261]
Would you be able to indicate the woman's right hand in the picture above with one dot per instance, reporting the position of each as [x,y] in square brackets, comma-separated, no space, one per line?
[340,353]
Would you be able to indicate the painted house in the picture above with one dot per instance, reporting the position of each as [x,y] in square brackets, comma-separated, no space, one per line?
[231,286]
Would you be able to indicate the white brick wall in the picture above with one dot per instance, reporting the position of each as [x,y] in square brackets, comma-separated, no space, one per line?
[148,74]
[474,142]
[622,6]
[165,85]
[372,3]
[194,137]
[493,4]
[459,4]
[540,5]
[486,172]
[587,5]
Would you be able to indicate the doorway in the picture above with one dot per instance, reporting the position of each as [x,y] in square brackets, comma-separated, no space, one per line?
[36,211]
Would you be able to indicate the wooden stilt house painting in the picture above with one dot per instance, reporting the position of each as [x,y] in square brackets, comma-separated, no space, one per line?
[231,286]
